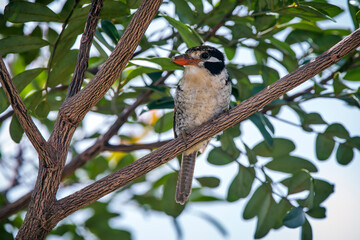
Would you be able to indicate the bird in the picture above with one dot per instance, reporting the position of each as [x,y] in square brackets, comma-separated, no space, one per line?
[203,93]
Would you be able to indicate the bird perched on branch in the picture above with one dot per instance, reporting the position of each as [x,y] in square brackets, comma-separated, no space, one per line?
[203,93]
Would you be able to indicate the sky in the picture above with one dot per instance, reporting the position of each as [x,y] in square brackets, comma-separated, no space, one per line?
[342,206]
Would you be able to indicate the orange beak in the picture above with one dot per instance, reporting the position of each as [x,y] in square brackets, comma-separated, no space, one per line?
[185,60]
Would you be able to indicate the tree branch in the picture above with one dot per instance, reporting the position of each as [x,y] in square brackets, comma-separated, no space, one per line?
[133,147]
[6,116]
[31,131]
[100,188]
[86,40]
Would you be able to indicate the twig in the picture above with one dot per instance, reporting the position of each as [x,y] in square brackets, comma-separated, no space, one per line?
[86,40]
[214,29]
[6,116]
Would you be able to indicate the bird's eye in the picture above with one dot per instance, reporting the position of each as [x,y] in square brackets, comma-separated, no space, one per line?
[204,55]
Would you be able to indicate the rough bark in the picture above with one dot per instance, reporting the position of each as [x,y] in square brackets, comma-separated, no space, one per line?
[73,110]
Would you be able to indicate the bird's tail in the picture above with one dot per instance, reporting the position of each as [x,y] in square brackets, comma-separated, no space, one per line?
[184,183]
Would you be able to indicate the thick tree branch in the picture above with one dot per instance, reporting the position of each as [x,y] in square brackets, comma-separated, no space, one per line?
[86,40]
[133,147]
[31,131]
[110,183]
[73,110]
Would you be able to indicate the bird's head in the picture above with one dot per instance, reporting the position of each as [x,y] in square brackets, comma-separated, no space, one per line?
[203,57]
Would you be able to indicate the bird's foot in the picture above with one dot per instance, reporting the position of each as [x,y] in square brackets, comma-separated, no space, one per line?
[183,134]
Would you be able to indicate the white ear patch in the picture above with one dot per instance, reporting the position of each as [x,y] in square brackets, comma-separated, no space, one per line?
[213,59]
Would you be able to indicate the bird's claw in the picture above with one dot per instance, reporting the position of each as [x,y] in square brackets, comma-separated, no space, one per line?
[183,135]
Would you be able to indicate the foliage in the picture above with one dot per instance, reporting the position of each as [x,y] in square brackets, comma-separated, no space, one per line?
[41,55]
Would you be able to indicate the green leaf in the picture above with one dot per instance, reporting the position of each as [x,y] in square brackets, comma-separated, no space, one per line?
[227,141]
[324,146]
[42,110]
[162,103]
[322,190]
[337,130]
[352,75]
[230,52]
[97,166]
[11,44]
[257,119]
[312,118]
[23,79]
[16,131]
[312,11]
[295,218]
[282,209]
[147,202]
[317,212]
[218,156]
[110,30]
[240,187]
[354,142]
[344,154]
[165,123]
[324,7]
[250,155]
[281,147]
[290,164]
[282,46]
[308,202]
[114,10]
[260,199]
[62,69]
[337,84]
[32,100]
[306,231]
[299,182]
[22,12]
[353,9]
[102,228]
[188,36]
[4,103]
[183,10]
[171,208]
[211,182]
